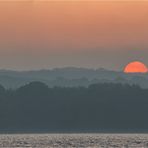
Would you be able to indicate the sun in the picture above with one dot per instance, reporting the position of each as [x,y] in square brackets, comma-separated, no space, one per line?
[136,67]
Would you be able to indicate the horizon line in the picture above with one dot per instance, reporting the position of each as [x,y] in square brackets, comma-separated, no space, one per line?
[64,67]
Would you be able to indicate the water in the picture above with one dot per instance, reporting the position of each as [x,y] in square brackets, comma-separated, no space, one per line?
[74,140]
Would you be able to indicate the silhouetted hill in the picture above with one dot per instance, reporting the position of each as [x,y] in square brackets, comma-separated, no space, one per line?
[99,107]
[70,77]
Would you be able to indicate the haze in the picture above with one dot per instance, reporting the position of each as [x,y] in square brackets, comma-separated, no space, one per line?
[70,33]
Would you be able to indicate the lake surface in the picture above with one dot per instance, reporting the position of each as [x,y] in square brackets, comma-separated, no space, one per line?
[74,140]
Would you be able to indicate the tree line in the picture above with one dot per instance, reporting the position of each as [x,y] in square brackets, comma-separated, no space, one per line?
[99,107]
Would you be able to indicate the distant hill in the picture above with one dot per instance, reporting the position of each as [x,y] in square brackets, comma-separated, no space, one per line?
[70,77]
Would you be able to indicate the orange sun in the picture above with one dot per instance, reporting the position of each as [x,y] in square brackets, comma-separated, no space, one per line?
[136,67]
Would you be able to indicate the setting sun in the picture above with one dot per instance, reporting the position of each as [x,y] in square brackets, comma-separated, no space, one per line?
[136,67]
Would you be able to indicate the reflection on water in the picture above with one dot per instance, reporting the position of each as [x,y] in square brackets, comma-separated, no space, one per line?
[74,140]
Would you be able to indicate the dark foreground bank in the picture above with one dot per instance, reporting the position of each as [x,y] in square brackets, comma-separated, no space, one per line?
[98,108]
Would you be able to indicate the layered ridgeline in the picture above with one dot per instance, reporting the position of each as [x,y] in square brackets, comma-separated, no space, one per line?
[99,107]
[70,77]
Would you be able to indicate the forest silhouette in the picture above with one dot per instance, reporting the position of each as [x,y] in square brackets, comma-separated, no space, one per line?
[99,107]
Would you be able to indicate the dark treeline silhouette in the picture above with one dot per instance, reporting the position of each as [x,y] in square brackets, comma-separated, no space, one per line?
[99,107]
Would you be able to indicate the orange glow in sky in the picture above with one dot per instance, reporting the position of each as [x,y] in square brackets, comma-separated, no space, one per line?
[72,24]
[72,33]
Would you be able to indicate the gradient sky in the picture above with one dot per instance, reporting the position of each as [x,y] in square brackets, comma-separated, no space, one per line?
[93,34]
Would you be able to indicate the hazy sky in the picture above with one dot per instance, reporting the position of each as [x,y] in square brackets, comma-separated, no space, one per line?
[38,35]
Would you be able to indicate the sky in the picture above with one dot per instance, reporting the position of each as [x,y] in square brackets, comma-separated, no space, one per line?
[93,34]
